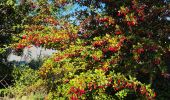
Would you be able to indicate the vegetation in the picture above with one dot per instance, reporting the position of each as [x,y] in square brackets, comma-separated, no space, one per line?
[114,49]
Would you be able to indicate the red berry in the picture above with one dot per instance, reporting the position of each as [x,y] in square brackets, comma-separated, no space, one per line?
[24,37]
[118,32]
[67,80]
[96,44]
[140,50]
[142,90]
[116,88]
[132,23]
[100,87]
[20,46]
[119,14]
[113,49]
[72,89]
[29,46]
[154,94]
[73,97]
[95,58]
[129,23]
[82,91]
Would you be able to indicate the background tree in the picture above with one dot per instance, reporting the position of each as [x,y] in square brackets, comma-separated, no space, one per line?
[12,17]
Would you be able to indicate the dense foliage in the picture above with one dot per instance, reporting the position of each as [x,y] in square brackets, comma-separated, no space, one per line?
[115,49]
[12,17]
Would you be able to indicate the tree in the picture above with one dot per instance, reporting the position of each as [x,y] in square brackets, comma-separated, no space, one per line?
[105,57]
[12,17]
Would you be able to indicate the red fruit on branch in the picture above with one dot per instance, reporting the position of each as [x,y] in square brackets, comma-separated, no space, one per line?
[119,14]
[104,50]
[95,58]
[73,89]
[116,88]
[94,86]
[154,94]
[74,97]
[29,46]
[82,91]
[129,85]
[30,38]
[20,46]
[131,23]
[127,9]
[119,44]
[67,80]
[113,49]
[142,90]
[124,14]
[105,69]
[24,37]
[110,80]
[100,87]
[118,81]
[147,94]
[118,32]
[122,39]
[140,50]
[108,84]
[57,59]
[97,44]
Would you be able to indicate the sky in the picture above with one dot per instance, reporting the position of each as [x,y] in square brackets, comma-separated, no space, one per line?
[71,8]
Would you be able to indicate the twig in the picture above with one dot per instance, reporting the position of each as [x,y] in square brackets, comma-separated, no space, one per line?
[3,80]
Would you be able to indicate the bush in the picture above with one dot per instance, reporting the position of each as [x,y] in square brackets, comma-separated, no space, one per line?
[26,83]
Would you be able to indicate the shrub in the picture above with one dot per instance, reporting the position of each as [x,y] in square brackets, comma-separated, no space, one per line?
[26,83]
